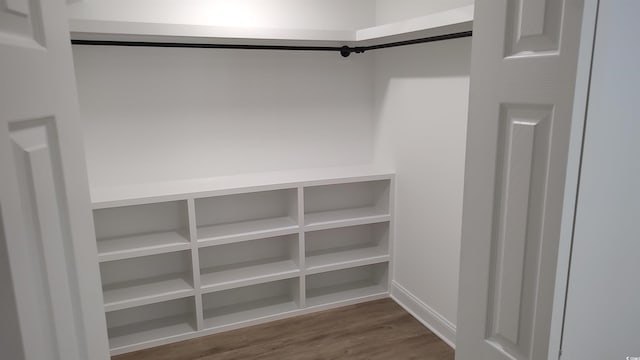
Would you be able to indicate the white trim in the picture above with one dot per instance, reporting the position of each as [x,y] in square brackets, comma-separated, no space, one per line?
[430,318]
[580,103]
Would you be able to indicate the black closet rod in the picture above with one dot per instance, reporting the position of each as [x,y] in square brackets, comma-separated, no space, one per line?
[343,50]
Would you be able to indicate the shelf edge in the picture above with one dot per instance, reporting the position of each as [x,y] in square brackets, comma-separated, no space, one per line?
[436,24]
[154,250]
[247,236]
[147,300]
[334,224]
[318,269]
[289,274]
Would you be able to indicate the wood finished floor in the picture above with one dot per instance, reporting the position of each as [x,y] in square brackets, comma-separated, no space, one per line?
[377,330]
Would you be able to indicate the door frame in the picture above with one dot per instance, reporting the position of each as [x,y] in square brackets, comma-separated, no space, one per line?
[572,180]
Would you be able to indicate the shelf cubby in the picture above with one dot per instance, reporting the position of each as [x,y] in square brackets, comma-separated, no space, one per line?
[249,303]
[144,280]
[238,217]
[139,230]
[345,247]
[346,204]
[147,323]
[249,262]
[347,284]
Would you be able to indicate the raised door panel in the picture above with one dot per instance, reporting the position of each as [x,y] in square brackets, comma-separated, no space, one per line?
[523,151]
[36,165]
[533,26]
[21,22]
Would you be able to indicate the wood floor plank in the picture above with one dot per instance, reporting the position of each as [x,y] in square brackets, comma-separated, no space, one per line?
[376,330]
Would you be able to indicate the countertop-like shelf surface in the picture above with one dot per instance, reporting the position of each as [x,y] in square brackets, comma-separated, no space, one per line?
[194,188]
[440,23]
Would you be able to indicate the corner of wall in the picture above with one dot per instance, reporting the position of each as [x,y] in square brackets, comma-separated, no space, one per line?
[430,318]
[420,128]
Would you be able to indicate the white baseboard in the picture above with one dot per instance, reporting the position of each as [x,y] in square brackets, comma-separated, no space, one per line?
[430,318]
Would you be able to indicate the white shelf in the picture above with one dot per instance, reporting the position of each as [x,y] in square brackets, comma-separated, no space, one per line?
[246,230]
[247,274]
[345,217]
[147,331]
[142,245]
[445,22]
[85,29]
[440,23]
[336,259]
[107,197]
[146,291]
[250,311]
[343,292]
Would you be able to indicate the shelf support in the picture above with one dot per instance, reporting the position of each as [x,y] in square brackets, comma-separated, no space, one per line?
[195,262]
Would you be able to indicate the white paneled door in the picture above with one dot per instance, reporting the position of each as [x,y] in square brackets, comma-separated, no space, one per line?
[523,73]
[50,302]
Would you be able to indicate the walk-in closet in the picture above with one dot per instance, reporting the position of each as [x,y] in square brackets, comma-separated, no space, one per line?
[315,179]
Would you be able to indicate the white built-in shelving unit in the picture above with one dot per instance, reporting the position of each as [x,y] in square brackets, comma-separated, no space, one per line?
[185,259]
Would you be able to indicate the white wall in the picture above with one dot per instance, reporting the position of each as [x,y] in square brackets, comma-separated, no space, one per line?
[295,14]
[158,114]
[394,10]
[602,319]
[422,98]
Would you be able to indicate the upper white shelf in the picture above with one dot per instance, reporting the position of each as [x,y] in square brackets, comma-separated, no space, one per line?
[193,188]
[441,23]
[436,24]
[84,29]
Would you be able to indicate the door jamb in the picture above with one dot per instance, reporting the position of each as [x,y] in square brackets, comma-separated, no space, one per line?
[572,180]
